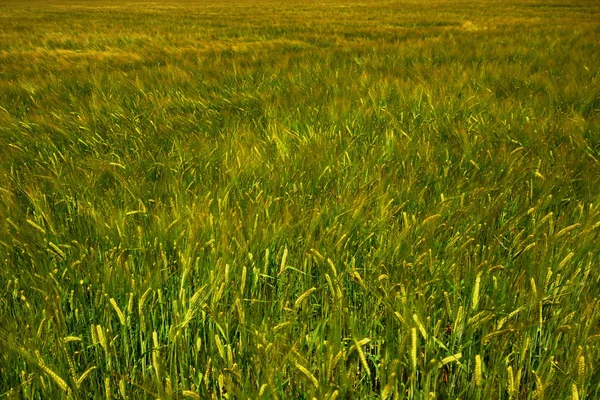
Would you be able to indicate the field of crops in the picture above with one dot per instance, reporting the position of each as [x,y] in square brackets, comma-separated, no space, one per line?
[300,199]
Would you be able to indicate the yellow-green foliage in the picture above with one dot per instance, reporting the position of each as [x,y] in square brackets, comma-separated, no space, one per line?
[305,199]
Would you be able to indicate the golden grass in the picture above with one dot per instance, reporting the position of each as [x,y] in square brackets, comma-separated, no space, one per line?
[218,199]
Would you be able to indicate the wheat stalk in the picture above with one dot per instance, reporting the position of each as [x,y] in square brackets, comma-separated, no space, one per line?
[130,304]
[389,387]
[333,362]
[303,297]
[565,260]
[155,355]
[539,386]
[475,302]
[243,281]
[141,306]
[207,373]
[84,375]
[118,311]
[190,395]
[447,301]
[420,326]
[220,347]
[263,387]
[453,358]
[68,339]
[574,392]
[511,382]
[122,389]
[308,374]
[107,388]
[361,354]
[566,230]
[331,288]
[580,363]
[283,266]
[102,338]
[478,376]
[332,266]
[36,226]
[57,379]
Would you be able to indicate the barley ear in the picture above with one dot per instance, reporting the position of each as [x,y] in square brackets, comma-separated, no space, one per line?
[511,382]
[308,374]
[580,364]
[478,370]
[413,349]
[120,314]
[389,387]
[84,375]
[574,392]
[475,302]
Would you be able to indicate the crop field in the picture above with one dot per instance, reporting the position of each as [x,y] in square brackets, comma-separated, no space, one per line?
[300,199]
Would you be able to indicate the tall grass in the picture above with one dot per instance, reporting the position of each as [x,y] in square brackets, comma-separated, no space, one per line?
[299,200]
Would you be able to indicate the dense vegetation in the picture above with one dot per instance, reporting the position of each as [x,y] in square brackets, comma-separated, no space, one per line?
[244,199]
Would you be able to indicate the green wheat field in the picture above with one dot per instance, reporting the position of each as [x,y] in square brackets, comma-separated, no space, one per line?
[300,199]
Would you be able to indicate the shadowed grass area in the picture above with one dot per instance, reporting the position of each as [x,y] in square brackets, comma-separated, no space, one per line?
[299,199]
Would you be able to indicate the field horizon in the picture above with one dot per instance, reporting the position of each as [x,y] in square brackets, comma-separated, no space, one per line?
[306,199]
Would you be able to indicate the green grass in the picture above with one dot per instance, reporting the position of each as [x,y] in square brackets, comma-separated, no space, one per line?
[300,200]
